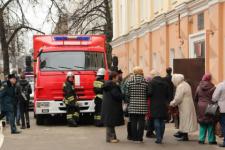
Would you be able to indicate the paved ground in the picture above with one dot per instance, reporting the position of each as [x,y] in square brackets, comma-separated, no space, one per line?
[89,138]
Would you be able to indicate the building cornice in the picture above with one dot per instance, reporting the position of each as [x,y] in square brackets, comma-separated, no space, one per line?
[184,9]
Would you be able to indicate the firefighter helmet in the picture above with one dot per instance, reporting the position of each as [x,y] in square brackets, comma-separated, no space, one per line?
[101,72]
[69,74]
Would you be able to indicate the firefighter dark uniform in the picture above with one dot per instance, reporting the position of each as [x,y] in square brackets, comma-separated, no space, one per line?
[98,84]
[70,99]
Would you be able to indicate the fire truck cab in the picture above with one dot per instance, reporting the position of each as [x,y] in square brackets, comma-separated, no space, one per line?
[54,56]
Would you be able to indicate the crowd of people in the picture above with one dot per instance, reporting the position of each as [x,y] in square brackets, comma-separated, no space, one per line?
[150,102]
[15,95]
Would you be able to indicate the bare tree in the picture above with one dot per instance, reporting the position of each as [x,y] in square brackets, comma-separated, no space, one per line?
[86,17]
[12,21]
[94,17]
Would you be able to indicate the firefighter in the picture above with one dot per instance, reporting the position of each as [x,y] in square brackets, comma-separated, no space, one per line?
[98,84]
[70,99]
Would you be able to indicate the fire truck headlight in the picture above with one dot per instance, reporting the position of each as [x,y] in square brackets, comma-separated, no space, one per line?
[42,104]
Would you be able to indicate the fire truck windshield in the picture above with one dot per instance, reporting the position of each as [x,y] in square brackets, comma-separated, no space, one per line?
[71,60]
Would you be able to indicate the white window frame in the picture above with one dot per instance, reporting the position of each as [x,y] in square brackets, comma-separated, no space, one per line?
[193,38]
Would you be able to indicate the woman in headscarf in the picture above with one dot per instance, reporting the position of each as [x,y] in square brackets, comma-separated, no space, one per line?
[203,98]
[183,99]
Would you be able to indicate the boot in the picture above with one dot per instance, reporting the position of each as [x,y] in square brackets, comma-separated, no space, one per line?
[184,137]
[18,123]
[72,123]
[15,132]
[150,134]
[23,127]
[98,123]
[3,123]
[28,125]
[178,134]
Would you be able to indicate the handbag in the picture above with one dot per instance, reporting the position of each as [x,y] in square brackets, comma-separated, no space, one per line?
[212,109]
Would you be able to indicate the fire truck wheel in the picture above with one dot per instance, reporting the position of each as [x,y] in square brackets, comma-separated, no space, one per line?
[39,120]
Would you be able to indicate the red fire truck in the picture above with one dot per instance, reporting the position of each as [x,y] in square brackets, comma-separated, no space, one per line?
[54,56]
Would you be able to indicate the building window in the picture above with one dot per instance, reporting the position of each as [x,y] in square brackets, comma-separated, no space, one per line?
[201,21]
[199,49]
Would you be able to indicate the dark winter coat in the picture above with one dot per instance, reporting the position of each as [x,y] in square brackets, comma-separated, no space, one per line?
[171,88]
[8,97]
[203,97]
[23,86]
[137,94]
[159,96]
[112,112]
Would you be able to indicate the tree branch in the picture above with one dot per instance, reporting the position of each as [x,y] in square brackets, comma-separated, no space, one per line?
[18,29]
[6,4]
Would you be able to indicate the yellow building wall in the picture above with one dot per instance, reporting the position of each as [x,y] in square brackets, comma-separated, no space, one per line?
[123,51]
[144,53]
[152,50]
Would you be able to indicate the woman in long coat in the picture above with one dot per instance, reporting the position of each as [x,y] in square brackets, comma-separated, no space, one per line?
[112,111]
[137,93]
[159,96]
[183,99]
[203,97]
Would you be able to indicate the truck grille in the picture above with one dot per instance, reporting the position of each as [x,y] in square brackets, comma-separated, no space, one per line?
[85,94]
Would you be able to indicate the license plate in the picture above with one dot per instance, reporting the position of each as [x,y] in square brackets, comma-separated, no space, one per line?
[45,110]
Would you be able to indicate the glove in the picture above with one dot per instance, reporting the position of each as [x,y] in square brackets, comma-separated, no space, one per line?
[172,104]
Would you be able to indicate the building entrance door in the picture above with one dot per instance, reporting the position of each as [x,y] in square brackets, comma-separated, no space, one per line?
[192,69]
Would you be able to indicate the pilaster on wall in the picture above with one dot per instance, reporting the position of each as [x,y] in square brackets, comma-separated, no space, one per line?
[207,54]
[164,48]
[216,41]
[144,53]
[167,46]
[185,31]
[133,54]
[221,45]
[150,50]
[138,51]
